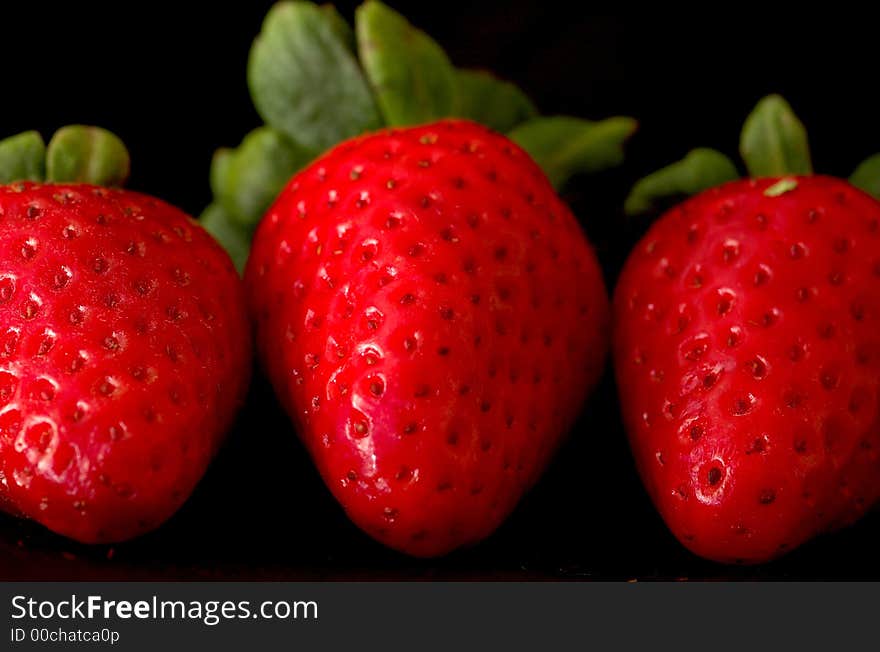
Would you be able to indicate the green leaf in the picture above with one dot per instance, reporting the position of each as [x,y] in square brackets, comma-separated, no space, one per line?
[412,78]
[701,169]
[22,158]
[84,154]
[247,180]
[234,238]
[305,81]
[867,176]
[498,104]
[773,140]
[564,146]
[340,26]
[221,164]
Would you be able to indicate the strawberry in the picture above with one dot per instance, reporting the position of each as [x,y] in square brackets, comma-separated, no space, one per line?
[431,317]
[427,309]
[747,351]
[123,349]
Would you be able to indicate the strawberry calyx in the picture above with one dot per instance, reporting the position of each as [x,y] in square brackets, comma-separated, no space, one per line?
[75,154]
[316,82]
[773,143]
[867,176]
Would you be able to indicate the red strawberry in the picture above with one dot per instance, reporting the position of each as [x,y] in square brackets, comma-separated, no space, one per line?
[123,357]
[747,352]
[431,317]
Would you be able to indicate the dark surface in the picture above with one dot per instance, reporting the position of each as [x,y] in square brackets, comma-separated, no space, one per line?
[172,84]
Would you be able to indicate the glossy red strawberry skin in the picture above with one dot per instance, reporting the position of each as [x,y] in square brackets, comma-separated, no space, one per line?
[431,317]
[747,352]
[124,353]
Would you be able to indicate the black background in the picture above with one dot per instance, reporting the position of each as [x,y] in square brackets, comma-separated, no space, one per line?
[170,79]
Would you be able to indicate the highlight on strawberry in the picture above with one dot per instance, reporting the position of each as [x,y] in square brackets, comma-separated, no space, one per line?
[429,312]
[124,346]
[747,344]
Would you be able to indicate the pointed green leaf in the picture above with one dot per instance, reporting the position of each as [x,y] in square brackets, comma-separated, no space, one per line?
[340,25]
[867,176]
[412,78]
[234,238]
[304,80]
[22,158]
[774,141]
[83,154]
[701,169]
[246,180]
[221,164]
[564,146]
[498,104]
